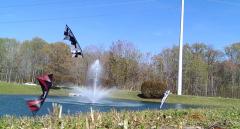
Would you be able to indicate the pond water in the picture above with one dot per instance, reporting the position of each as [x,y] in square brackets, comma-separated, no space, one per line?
[16,105]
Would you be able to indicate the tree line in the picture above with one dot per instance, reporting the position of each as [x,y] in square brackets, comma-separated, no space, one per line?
[206,71]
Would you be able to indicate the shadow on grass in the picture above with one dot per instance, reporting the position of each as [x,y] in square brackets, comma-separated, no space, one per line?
[144,97]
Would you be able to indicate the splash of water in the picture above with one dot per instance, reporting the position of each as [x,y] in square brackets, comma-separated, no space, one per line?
[93,74]
[93,92]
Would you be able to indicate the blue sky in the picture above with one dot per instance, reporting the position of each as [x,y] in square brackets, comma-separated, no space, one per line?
[151,25]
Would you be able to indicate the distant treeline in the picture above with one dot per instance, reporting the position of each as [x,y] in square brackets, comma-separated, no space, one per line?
[206,71]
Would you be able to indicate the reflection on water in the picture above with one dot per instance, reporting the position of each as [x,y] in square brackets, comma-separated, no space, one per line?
[178,106]
[16,105]
[103,102]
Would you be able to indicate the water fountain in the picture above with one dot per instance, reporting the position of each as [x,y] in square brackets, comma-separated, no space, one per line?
[94,91]
[92,96]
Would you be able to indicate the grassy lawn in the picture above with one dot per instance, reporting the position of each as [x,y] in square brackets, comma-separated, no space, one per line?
[154,119]
[184,99]
[13,88]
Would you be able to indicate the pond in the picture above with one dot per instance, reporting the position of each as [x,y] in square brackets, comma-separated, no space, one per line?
[16,105]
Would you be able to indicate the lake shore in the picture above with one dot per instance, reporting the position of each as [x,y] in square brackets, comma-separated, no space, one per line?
[13,88]
[222,112]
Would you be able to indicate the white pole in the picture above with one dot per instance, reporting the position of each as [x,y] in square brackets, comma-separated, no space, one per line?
[180,52]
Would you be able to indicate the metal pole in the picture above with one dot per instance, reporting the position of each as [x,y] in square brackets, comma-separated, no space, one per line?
[179,92]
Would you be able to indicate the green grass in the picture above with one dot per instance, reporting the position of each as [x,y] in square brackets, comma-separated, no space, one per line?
[184,99]
[148,119]
[13,88]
